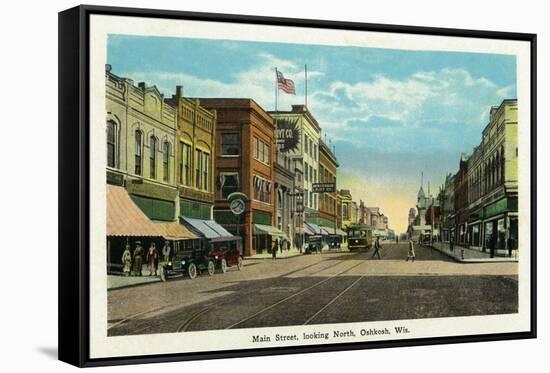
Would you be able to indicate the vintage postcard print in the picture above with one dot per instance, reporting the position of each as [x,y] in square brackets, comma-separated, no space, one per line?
[257,186]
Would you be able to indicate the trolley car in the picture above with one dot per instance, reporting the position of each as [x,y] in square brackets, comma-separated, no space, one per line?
[359,237]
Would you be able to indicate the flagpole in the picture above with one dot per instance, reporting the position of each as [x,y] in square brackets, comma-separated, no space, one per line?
[305,72]
[276,89]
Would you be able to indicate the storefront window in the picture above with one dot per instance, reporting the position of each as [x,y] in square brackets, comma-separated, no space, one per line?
[501,235]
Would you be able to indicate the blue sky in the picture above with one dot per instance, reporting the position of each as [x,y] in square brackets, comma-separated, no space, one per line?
[390,113]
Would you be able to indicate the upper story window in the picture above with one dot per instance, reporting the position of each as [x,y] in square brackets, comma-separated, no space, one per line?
[138,153]
[185,164]
[229,183]
[262,189]
[153,157]
[262,151]
[231,144]
[166,161]
[206,171]
[306,175]
[202,170]
[306,144]
[111,143]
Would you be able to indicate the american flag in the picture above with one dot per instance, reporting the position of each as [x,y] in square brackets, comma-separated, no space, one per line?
[286,85]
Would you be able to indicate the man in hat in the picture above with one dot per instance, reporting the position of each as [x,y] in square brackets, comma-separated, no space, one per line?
[376,248]
[138,259]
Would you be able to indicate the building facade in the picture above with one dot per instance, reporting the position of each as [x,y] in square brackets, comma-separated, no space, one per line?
[446,201]
[244,161]
[461,211]
[475,198]
[285,196]
[493,184]
[306,153]
[349,209]
[328,202]
[194,149]
[141,138]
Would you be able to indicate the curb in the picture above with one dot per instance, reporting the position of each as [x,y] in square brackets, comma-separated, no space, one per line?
[271,258]
[134,285]
[475,260]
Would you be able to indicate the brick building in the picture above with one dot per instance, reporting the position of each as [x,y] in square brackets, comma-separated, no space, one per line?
[244,159]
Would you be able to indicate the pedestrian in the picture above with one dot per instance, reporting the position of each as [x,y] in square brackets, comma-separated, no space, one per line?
[126,260]
[166,251]
[411,254]
[376,248]
[451,243]
[396,239]
[274,249]
[511,244]
[138,259]
[152,259]
[492,244]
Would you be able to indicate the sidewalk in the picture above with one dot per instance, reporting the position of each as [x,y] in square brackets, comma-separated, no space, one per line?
[466,255]
[293,253]
[285,254]
[116,281]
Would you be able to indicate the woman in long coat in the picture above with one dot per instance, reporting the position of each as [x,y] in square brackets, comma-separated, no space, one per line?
[411,254]
[126,261]
[152,259]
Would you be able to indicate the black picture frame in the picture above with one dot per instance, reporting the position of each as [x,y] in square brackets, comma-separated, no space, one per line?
[74,202]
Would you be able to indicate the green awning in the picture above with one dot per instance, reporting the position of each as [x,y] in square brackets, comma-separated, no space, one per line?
[269,230]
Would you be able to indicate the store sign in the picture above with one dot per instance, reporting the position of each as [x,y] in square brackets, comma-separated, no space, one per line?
[288,134]
[324,187]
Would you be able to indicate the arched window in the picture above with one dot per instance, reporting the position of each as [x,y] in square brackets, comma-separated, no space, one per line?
[502,167]
[111,143]
[279,199]
[138,153]
[166,161]
[153,157]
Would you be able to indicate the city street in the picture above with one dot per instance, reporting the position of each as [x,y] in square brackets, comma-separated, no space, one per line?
[318,288]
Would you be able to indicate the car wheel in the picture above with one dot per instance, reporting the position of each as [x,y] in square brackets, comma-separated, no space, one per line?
[211,268]
[192,271]
[223,265]
[240,263]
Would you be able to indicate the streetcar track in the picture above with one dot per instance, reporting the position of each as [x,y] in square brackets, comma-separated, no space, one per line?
[290,297]
[186,324]
[332,301]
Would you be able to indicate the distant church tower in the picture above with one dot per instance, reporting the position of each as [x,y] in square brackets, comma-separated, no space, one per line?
[421,202]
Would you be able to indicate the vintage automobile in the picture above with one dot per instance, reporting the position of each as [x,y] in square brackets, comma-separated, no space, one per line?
[314,245]
[229,254]
[189,258]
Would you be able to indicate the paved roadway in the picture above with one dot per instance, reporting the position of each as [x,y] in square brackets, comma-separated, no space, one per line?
[318,288]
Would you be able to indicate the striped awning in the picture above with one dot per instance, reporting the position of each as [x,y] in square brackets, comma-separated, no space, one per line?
[316,229]
[209,229]
[269,230]
[124,218]
[175,231]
